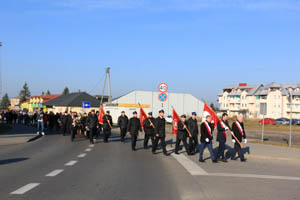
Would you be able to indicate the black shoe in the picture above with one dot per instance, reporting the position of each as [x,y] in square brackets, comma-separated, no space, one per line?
[215,161]
[224,160]
[201,160]
[177,153]
[166,154]
[243,160]
[133,149]
[153,152]
[234,158]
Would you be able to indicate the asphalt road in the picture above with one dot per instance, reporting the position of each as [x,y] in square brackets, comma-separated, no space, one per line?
[113,171]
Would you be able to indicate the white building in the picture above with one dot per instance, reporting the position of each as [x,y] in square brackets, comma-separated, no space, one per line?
[183,104]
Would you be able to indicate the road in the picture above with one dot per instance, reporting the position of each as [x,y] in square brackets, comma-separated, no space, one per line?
[38,170]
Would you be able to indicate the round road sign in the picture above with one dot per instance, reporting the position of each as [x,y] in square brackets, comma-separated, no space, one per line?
[162,97]
[163,87]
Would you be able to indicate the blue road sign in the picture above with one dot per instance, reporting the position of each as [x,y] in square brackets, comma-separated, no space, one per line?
[86,104]
[162,97]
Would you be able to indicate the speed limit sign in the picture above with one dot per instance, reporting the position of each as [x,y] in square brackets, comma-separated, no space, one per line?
[163,87]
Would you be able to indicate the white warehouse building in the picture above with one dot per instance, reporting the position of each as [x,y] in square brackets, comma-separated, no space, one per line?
[183,104]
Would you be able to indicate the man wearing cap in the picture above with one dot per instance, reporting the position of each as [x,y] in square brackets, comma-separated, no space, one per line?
[222,127]
[182,135]
[239,132]
[92,124]
[193,128]
[149,129]
[134,126]
[160,133]
[206,138]
[107,126]
[123,123]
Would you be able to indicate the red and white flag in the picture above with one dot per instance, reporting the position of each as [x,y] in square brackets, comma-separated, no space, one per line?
[176,120]
[213,115]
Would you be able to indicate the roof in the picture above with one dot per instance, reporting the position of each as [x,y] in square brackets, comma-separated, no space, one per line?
[74,100]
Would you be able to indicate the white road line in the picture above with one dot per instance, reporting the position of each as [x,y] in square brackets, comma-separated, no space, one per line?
[55,173]
[89,149]
[26,188]
[71,163]
[82,155]
[92,145]
[256,176]
[189,165]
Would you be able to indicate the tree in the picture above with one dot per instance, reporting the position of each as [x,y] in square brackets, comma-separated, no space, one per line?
[48,92]
[24,93]
[66,91]
[5,101]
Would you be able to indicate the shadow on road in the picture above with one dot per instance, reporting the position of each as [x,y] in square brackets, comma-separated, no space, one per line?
[13,160]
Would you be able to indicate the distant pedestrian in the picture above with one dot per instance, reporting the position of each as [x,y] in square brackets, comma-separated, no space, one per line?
[222,127]
[123,123]
[239,132]
[160,133]
[107,126]
[92,123]
[134,126]
[149,128]
[40,124]
[66,124]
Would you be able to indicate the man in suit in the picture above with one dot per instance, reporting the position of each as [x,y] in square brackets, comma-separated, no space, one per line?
[92,124]
[182,135]
[222,127]
[134,126]
[160,133]
[123,123]
[149,129]
[193,128]
[107,126]
[239,132]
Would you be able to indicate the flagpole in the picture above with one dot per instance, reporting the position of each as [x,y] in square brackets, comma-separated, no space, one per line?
[151,124]
[184,126]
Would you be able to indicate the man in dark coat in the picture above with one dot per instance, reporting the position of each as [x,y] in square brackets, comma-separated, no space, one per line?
[107,126]
[66,123]
[134,126]
[123,123]
[149,129]
[193,128]
[222,127]
[207,138]
[160,133]
[182,135]
[92,124]
[239,132]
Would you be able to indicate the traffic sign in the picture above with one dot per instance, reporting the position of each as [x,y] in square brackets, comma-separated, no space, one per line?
[163,87]
[86,104]
[162,97]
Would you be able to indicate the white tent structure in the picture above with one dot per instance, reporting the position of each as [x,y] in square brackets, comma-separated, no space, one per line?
[183,103]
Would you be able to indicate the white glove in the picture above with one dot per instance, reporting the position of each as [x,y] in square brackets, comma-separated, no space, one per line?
[245,141]
[226,129]
[207,140]
[233,140]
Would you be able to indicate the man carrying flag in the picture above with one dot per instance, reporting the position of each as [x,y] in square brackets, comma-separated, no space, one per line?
[182,135]
[107,126]
[239,132]
[149,128]
[222,127]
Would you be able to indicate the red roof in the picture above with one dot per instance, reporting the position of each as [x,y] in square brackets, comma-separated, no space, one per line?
[47,97]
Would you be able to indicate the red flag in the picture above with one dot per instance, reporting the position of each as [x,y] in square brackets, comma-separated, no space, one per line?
[143,116]
[213,115]
[100,117]
[176,120]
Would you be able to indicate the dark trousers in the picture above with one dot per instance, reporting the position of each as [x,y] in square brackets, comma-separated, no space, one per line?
[146,139]
[107,133]
[177,146]
[193,143]
[133,141]
[92,133]
[123,132]
[221,150]
[163,144]
[238,149]
[210,149]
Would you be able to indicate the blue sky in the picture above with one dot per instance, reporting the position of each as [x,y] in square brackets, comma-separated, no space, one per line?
[196,46]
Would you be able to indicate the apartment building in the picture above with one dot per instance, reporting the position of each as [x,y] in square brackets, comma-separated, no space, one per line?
[248,99]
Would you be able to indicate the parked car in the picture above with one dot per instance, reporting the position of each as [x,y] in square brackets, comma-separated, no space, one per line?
[296,122]
[282,121]
[268,121]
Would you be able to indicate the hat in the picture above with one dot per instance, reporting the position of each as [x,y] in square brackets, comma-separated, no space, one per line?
[93,111]
[123,112]
[194,113]
[108,112]
[161,111]
[150,113]
[134,113]
[183,116]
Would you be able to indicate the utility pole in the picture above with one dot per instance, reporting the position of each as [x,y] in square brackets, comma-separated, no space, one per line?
[291,116]
[0,72]
[107,75]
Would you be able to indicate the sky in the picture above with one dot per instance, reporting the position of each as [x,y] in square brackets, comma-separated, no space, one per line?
[195,46]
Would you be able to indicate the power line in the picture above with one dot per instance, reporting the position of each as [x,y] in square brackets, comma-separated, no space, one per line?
[98,82]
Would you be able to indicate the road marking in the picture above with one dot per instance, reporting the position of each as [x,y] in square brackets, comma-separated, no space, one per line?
[82,155]
[89,149]
[71,163]
[256,176]
[92,145]
[25,188]
[55,173]
[189,165]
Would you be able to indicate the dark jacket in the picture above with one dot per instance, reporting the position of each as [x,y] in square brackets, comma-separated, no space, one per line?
[237,132]
[92,121]
[205,134]
[123,121]
[193,126]
[149,130]
[107,122]
[182,132]
[221,135]
[134,126]
[160,127]
[66,121]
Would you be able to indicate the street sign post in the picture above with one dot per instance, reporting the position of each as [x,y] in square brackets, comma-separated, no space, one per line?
[263,111]
[162,97]
[86,104]
[163,87]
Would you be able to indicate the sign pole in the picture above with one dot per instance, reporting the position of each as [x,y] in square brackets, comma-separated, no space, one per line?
[263,129]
